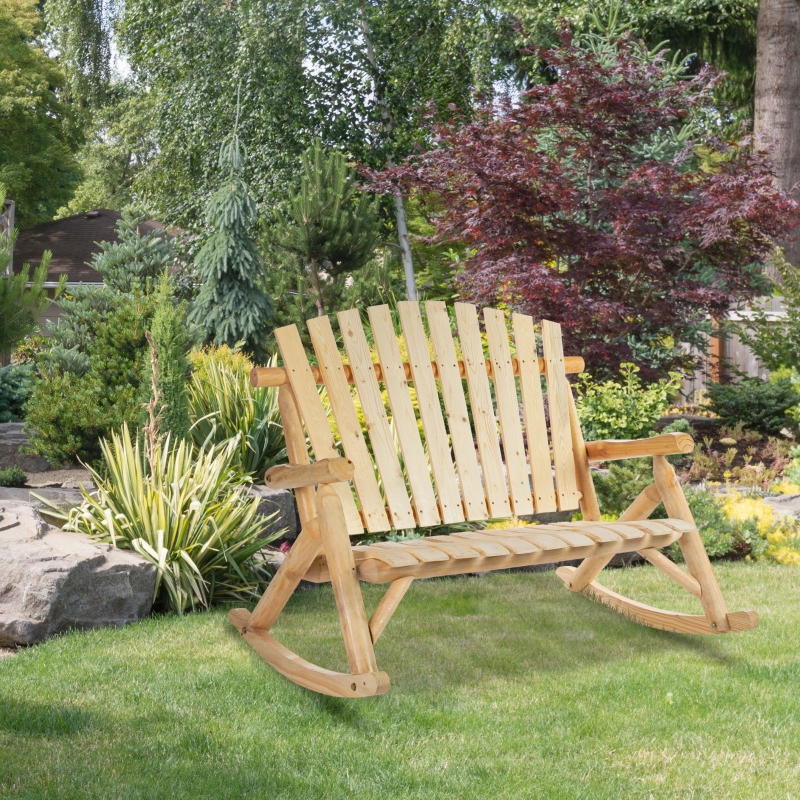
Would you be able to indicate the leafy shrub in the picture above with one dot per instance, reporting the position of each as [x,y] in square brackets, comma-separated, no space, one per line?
[759,405]
[169,344]
[231,358]
[721,534]
[16,384]
[224,406]
[622,410]
[189,515]
[13,476]
[67,414]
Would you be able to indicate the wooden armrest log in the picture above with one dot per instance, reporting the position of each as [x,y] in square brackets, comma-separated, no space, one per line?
[261,377]
[293,476]
[663,445]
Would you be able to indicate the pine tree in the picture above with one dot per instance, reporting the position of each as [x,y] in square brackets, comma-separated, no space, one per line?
[232,305]
[136,259]
[169,337]
[330,228]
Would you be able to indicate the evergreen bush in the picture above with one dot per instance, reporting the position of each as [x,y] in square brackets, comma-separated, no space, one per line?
[16,384]
[13,477]
[759,405]
[232,305]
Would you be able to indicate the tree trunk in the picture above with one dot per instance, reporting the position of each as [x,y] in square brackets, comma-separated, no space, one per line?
[777,111]
[317,284]
[399,208]
[405,247]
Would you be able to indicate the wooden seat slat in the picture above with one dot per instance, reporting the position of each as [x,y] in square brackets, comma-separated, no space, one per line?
[453,547]
[455,405]
[430,412]
[313,413]
[348,424]
[594,532]
[484,545]
[403,417]
[508,412]
[483,419]
[518,545]
[380,435]
[416,548]
[544,495]
[558,404]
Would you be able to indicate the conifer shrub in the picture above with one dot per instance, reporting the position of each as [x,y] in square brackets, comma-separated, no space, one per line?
[16,384]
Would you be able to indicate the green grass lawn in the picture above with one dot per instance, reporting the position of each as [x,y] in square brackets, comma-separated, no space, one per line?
[505,686]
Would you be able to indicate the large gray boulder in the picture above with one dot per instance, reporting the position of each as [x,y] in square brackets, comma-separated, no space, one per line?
[52,581]
[280,506]
[12,437]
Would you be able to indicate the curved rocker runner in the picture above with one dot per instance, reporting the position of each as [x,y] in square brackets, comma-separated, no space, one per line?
[442,480]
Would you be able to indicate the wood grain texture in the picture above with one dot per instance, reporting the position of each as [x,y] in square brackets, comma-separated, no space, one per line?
[590,508]
[694,552]
[346,591]
[296,451]
[306,548]
[303,673]
[384,449]
[672,570]
[456,409]
[430,412]
[533,409]
[348,424]
[483,419]
[663,445]
[508,412]
[558,404]
[403,417]
[261,377]
[387,606]
[295,476]
[656,617]
[304,389]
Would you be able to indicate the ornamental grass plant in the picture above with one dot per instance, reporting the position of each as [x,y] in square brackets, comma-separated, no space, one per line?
[185,510]
[223,406]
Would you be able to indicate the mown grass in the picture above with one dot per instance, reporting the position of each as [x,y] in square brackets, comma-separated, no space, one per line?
[504,686]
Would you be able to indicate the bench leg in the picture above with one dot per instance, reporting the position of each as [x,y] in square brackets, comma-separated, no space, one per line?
[700,580]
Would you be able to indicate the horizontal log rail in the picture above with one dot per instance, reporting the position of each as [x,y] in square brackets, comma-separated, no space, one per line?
[666,444]
[262,377]
[295,476]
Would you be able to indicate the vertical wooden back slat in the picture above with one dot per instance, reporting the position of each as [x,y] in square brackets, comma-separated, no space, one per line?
[312,411]
[456,409]
[380,435]
[557,388]
[403,417]
[430,412]
[480,400]
[341,400]
[505,389]
[533,409]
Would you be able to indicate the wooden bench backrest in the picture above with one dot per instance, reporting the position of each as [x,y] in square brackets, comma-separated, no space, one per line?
[404,480]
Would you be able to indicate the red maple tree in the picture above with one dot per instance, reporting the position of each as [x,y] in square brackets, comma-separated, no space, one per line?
[580,203]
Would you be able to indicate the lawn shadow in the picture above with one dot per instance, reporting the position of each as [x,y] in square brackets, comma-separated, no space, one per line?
[42,719]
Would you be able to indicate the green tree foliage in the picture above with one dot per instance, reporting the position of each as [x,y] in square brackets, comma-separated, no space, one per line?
[232,305]
[39,131]
[719,32]
[90,378]
[774,339]
[119,148]
[177,49]
[21,304]
[330,230]
[70,411]
[137,259]
[171,341]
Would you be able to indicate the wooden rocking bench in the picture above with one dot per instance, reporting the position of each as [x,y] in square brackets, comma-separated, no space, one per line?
[403,482]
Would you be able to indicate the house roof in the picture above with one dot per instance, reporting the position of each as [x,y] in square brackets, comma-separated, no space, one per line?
[72,241]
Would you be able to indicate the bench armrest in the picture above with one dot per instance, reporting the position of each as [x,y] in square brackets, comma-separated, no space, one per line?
[664,445]
[294,476]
